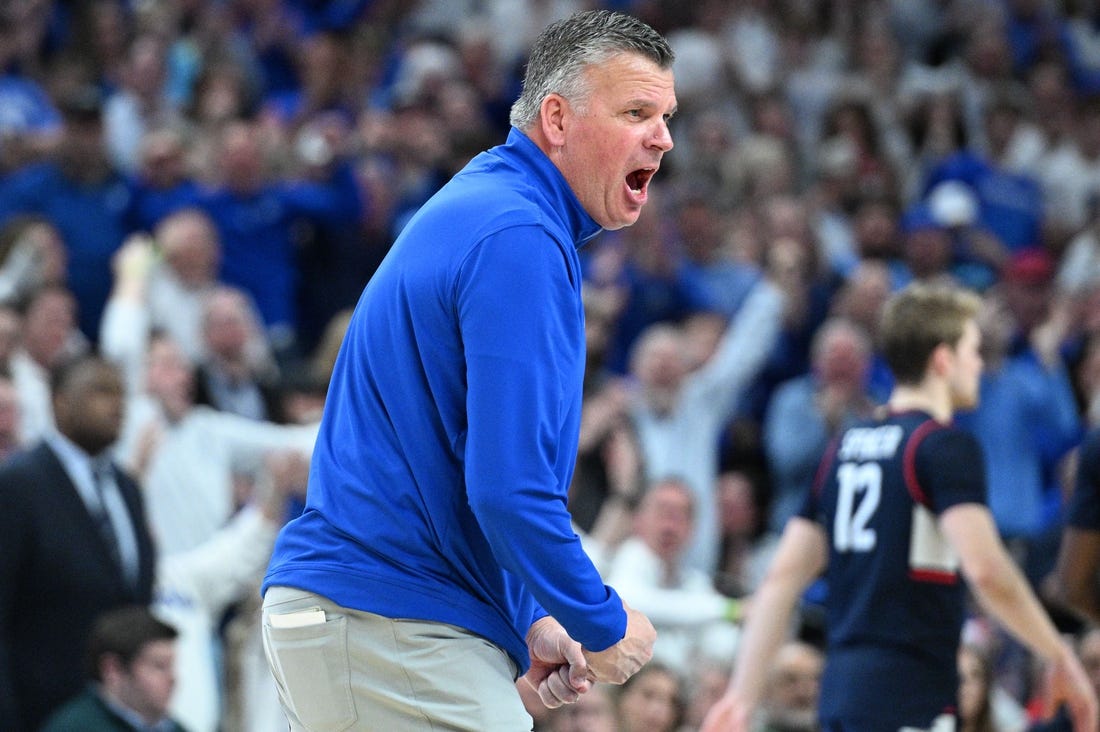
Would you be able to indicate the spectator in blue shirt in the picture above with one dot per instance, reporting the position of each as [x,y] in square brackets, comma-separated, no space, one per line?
[256,220]
[1027,418]
[163,184]
[29,121]
[89,202]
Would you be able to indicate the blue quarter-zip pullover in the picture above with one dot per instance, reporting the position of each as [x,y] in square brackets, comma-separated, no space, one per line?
[439,479]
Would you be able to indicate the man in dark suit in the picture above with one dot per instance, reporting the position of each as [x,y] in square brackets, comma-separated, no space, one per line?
[73,544]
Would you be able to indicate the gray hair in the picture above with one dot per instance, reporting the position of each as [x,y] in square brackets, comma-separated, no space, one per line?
[567,47]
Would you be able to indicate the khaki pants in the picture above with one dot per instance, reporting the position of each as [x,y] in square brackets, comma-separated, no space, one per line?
[341,669]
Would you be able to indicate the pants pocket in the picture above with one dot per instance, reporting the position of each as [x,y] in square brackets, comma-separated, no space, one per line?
[313,671]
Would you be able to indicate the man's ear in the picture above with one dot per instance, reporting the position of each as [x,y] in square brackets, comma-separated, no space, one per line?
[553,111]
[111,667]
[940,361]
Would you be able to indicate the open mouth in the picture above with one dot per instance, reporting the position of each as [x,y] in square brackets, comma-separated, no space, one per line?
[637,180]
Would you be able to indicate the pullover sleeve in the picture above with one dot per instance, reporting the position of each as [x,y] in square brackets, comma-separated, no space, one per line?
[519,317]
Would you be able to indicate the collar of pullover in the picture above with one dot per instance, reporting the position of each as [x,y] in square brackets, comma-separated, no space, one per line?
[548,179]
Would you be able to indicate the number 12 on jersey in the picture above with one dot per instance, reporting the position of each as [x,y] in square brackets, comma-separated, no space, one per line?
[859,489]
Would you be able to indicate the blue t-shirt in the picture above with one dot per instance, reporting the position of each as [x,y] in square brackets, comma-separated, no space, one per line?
[257,232]
[93,218]
[896,604]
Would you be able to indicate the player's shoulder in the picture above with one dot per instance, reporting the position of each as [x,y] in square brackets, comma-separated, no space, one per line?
[931,437]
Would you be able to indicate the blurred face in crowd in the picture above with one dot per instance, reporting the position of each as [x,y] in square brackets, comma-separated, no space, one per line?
[650,702]
[88,406]
[928,251]
[789,265]
[864,294]
[593,712]
[226,325]
[700,230]
[47,325]
[786,216]
[323,64]
[973,684]
[163,163]
[1000,127]
[737,504]
[709,683]
[665,519]
[190,247]
[988,53]
[242,159]
[842,357]
[146,686]
[220,95]
[793,686]
[48,250]
[1029,300]
[611,142]
[82,150]
[661,361]
[146,70]
[169,377]
[876,230]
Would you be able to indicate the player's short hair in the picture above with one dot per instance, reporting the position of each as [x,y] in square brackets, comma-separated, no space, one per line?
[918,319]
[566,48]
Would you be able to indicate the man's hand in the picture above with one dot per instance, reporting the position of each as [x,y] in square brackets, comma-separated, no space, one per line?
[1069,683]
[622,660]
[559,671]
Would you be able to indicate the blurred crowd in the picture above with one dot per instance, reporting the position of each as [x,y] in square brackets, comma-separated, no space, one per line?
[198,191]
